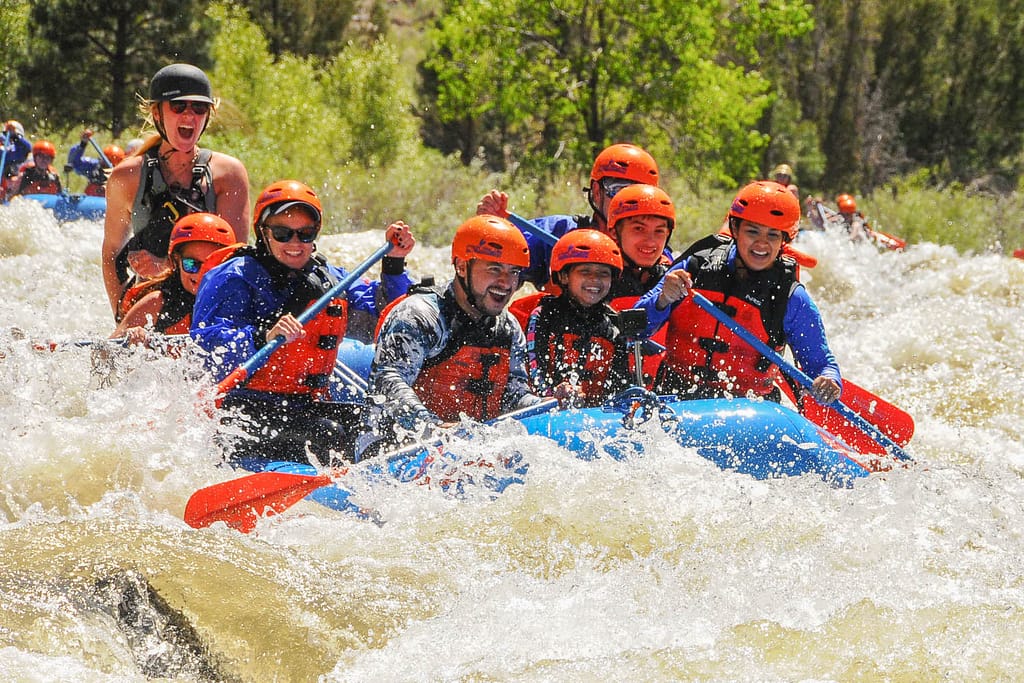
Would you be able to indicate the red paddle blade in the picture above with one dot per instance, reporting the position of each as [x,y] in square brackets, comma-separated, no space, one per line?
[895,423]
[240,502]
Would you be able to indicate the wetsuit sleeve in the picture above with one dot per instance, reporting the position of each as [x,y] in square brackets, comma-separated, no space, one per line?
[648,302]
[805,334]
[83,165]
[518,393]
[225,321]
[412,333]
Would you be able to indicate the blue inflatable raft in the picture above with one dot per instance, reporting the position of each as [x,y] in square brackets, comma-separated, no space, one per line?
[72,207]
[758,438]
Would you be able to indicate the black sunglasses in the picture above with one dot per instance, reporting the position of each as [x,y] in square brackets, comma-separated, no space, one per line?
[306,234]
[198,108]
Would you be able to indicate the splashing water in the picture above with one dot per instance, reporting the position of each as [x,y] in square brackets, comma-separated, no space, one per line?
[661,567]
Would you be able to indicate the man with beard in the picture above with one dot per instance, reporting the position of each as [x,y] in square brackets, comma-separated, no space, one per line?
[447,351]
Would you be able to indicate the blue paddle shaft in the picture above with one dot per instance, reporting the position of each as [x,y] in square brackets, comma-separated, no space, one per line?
[260,357]
[100,152]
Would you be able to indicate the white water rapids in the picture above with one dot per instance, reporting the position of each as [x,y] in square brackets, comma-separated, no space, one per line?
[656,569]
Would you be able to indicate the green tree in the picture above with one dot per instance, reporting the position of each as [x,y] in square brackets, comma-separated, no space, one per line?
[303,28]
[559,80]
[14,29]
[86,59]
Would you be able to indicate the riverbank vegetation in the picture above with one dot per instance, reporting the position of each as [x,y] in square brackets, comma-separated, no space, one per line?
[413,110]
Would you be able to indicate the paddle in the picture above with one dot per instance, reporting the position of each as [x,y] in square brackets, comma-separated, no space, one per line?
[797,374]
[154,339]
[99,151]
[3,161]
[240,502]
[898,423]
[239,375]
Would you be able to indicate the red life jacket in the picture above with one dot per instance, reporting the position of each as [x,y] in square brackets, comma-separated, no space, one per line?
[39,181]
[304,366]
[96,190]
[471,372]
[471,380]
[579,348]
[705,356]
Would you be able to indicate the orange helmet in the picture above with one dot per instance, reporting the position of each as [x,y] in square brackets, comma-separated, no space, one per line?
[493,239]
[641,200]
[44,147]
[585,246]
[770,204]
[200,227]
[625,161]
[114,154]
[846,203]
[283,195]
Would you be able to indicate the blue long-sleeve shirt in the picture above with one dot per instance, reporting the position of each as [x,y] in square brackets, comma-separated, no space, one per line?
[238,299]
[89,167]
[18,149]
[802,325]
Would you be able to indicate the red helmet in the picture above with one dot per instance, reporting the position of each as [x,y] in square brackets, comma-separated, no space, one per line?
[114,154]
[44,147]
[770,204]
[200,227]
[625,161]
[493,239]
[846,203]
[585,246]
[641,200]
[283,195]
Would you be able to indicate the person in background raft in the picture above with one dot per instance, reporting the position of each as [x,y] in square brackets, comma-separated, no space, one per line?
[573,344]
[17,148]
[751,280]
[38,176]
[255,295]
[93,169]
[169,178]
[616,167]
[164,304]
[783,175]
[854,220]
[447,351]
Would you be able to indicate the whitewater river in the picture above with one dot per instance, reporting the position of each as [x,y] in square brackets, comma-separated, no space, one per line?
[660,568]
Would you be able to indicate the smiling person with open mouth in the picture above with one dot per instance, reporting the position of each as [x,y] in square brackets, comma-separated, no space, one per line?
[170,176]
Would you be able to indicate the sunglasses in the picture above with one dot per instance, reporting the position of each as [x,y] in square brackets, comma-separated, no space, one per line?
[191,265]
[613,187]
[305,234]
[198,108]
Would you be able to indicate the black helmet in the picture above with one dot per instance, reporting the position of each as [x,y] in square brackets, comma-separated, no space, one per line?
[180,82]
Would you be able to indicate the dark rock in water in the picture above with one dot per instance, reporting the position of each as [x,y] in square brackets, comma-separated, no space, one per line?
[162,641]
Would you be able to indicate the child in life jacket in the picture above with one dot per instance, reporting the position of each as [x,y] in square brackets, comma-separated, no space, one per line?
[164,304]
[573,349]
